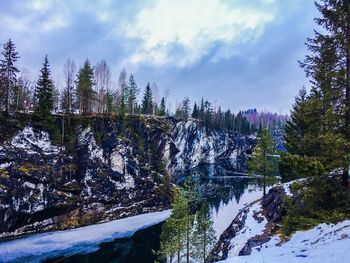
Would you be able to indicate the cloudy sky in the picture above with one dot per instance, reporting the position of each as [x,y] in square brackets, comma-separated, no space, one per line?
[240,54]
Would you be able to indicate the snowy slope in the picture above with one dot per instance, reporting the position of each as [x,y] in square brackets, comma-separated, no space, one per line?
[80,240]
[324,243]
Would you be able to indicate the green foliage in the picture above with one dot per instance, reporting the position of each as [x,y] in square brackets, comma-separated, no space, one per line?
[133,91]
[85,92]
[162,109]
[203,237]
[320,199]
[263,161]
[44,93]
[147,101]
[185,234]
[175,228]
[8,75]
[295,166]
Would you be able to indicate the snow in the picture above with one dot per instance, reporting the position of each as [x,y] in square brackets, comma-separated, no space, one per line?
[324,243]
[227,212]
[95,151]
[286,186]
[38,247]
[127,184]
[29,140]
[251,228]
[5,165]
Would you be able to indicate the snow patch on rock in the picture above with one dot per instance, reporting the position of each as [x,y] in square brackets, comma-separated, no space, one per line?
[32,141]
[95,151]
[251,228]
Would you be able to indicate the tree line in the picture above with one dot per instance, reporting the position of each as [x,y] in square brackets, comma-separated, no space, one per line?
[89,90]
[188,233]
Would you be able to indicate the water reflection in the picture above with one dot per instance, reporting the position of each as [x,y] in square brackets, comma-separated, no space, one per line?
[224,192]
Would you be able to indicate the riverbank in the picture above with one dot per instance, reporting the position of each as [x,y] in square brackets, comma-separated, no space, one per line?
[36,248]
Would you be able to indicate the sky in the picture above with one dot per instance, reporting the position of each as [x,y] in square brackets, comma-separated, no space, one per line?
[238,54]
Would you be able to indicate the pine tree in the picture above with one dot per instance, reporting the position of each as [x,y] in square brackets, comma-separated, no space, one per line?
[201,110]
[195,112]
[133,92]
[176,228]
[85,92]
[8,74]
[185,108]
[203,235]
[162,109]
[262,161]
[147,102]
[44,91]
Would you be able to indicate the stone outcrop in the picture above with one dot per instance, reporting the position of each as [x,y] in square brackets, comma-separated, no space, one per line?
[106,169]
[269,212]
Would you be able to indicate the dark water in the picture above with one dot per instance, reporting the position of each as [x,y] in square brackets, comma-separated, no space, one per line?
[135,249]
[226,194]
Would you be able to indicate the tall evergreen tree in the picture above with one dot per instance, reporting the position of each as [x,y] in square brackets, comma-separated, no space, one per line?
[44,91]
[195,112]
[85,92]
[297,127]
[162,109]
[147,101]
[133,91]
[175,229]
[325,115]
[263,161]
[185,108]
[8,74]
[203,235]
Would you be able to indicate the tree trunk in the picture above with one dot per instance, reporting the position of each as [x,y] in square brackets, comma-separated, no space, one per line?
[188,241]
[264,185]
[345,175]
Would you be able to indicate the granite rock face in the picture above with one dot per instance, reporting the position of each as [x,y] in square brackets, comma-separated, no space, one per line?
[252,227]
[108,170]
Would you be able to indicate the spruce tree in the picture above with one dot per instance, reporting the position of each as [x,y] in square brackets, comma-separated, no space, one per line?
[203,235]
[185,108]
[162,109]
[133,91]
[8,74]
[176,228]
[323,119]
[263,161]
[84,85]
[147,101]
[297,127]
[44,91]
[195,112]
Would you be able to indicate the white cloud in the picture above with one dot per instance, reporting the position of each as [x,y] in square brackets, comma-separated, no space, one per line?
[180,32]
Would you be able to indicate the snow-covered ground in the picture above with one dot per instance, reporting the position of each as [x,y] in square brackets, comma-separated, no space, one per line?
[252,228]
[227,212]
[37,247]
[324,243]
